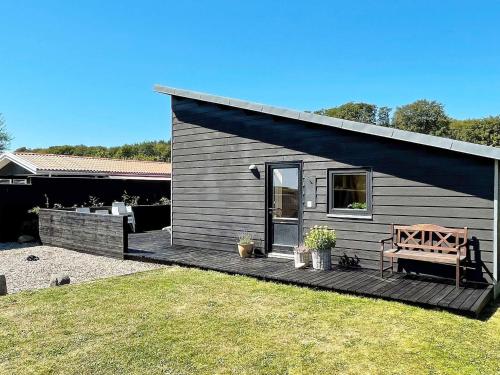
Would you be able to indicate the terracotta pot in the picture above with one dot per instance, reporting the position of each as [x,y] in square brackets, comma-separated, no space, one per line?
[245,250]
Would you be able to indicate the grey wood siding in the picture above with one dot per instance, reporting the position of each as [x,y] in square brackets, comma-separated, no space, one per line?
[104,235]
[215,196]
[497,166]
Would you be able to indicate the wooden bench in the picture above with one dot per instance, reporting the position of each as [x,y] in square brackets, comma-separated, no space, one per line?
[426,243]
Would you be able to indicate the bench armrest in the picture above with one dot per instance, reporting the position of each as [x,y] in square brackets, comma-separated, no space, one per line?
[385,240]
[460,246]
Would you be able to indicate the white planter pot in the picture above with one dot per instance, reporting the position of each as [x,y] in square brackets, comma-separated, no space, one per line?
[322,259]
[302,259]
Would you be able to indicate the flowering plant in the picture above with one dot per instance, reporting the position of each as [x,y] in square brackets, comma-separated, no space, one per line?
[320,238]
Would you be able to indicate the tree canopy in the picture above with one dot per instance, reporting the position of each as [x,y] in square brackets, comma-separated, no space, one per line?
[149,150]
[361,112]
[5,137]
[484,131]
[422,116]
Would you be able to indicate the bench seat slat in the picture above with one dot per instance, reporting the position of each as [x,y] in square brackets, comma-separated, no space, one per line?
[427,256]
[428,247]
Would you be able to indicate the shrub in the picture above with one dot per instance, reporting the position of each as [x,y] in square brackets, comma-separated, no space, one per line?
[320,238]
[244,238]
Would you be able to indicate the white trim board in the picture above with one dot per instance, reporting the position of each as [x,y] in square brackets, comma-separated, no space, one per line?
[279,255]
[7,157]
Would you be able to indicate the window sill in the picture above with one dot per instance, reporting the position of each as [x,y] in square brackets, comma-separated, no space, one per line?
[348,216]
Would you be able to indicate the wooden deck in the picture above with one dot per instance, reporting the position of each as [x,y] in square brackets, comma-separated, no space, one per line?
[469,300]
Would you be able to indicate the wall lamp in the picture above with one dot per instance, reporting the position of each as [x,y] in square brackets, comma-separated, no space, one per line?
[255,171]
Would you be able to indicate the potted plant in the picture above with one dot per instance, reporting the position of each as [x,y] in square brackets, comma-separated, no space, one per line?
[302,256]
[320,241]
[245,244]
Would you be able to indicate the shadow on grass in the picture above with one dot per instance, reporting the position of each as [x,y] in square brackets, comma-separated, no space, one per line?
[489,310]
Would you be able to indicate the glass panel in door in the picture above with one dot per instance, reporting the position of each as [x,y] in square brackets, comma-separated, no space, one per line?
[284,207]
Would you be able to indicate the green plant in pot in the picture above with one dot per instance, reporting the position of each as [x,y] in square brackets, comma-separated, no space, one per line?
[320,241]
[245,244]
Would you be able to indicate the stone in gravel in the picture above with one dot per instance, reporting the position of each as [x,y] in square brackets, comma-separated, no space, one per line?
[58,280]
[32,258]
[25,238]
[3,285]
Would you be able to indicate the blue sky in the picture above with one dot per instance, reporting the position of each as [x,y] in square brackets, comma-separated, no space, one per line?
[83,74]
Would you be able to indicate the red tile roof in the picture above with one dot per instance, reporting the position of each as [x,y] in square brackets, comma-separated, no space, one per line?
[94,165]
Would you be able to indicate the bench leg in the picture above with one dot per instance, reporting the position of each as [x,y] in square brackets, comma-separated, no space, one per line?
[457,275]
[382,264]
[392,266]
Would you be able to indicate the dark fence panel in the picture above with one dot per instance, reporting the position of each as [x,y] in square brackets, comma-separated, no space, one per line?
[151,217]
[89,233]
[16,200]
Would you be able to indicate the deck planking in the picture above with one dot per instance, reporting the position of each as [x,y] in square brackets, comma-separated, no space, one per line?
[423,291]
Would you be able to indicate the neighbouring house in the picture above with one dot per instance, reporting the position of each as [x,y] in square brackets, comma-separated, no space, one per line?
[45,180]
[275,173]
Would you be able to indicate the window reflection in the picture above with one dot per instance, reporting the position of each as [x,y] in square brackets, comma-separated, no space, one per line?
[286,193]
[349,191]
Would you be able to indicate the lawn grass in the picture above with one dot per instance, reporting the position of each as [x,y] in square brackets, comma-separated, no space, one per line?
[185,321]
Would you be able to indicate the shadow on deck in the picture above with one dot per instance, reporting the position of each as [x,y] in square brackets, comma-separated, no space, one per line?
[431,293]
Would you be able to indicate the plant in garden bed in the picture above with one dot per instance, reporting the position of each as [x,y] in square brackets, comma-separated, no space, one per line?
[164,201]
[94,202]
[302,256]
[130,200]
[320,240]
[35,210]
[245,244]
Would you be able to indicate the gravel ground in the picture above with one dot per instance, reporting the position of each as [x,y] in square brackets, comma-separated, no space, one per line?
[24,275]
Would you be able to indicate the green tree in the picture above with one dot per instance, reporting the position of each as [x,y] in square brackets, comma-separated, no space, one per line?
[485,131]
[361,112]
[150,150]
[384,116]
[422,116]
[5,137]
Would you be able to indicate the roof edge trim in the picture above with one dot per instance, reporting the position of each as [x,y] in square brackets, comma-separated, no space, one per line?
[21,162]
[359,127]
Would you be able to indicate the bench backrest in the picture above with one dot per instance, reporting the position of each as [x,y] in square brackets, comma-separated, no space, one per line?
[429,237]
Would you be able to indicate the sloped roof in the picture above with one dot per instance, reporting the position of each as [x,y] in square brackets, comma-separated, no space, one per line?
[43,164]
[359,127]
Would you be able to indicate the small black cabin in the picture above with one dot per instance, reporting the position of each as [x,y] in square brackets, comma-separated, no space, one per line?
[275,173]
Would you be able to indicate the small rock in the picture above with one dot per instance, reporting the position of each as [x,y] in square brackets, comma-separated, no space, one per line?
[58,280]
[25,238]
[32,258]
[3,285]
